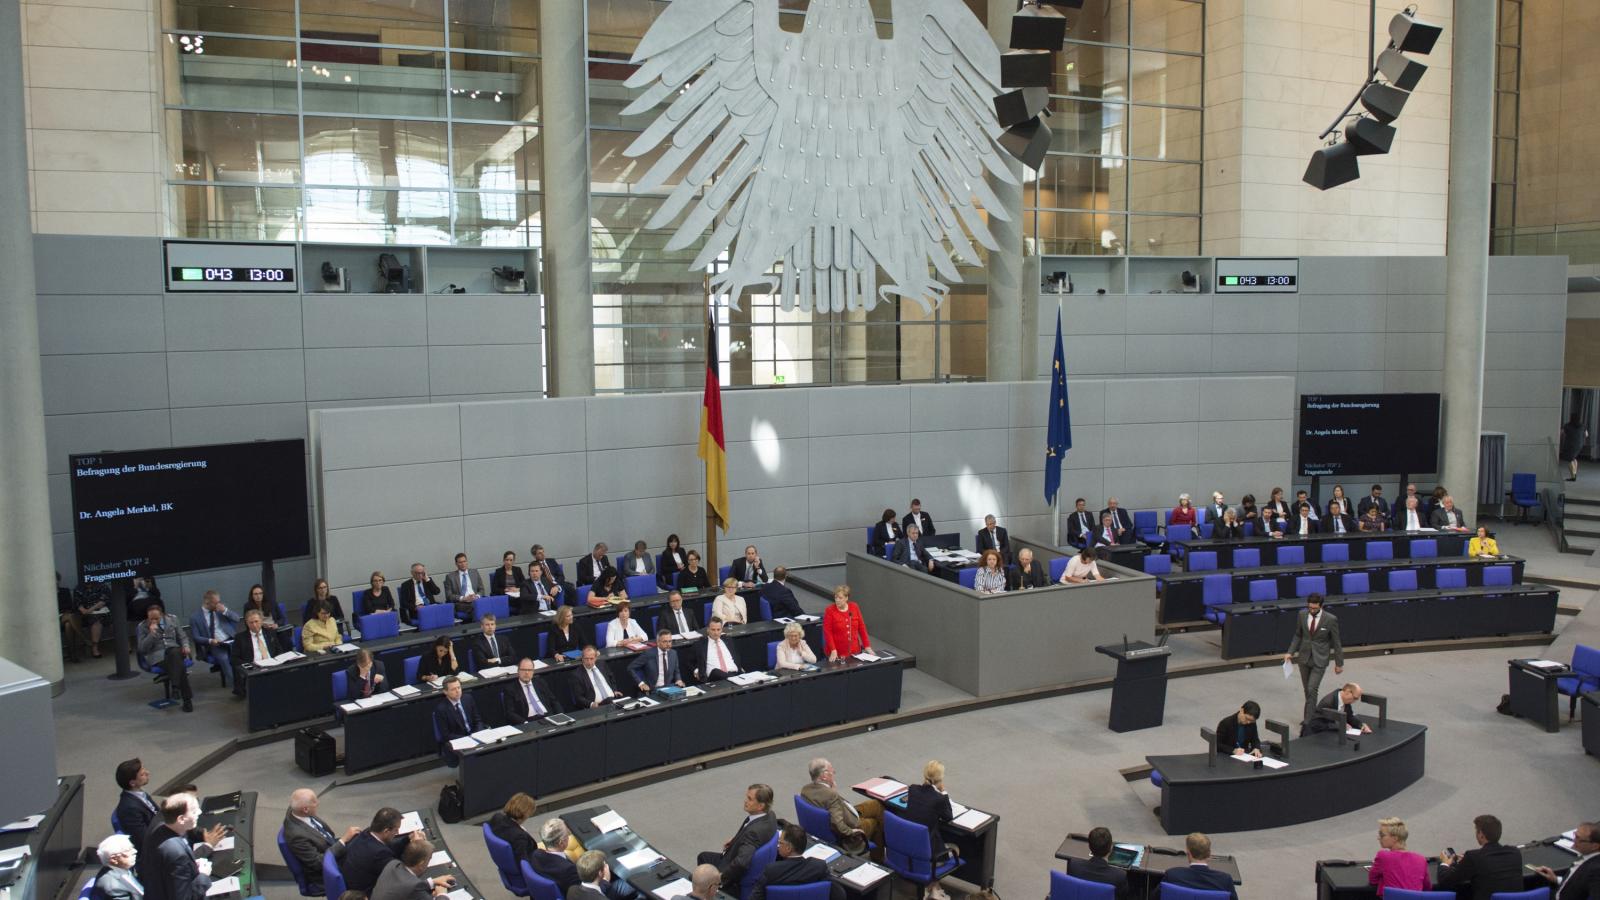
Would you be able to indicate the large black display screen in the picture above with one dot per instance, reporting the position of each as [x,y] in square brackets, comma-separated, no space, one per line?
[154,512]
[1369,434]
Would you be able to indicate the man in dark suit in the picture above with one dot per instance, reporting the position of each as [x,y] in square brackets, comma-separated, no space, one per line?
[910,552]
[590,685]
[116,880]
[402,879]
[309,837]
[758,827]
[590,567]
[367,853]
[749,569]
[1316,641]
[1237,734]
[1108,534]
[1374,499]
[1489,869]
[525,698]
[250,646]
[993,537]
[1302,520]
[919,519]
[1582,881]
[681,619]
[462,587]
[212,627]
[163,642]
[792,868]
[169,867]
[418,590]
[1337,710]
[594,878]
[1080,523]
[554,567]
[455,716]
[489,649]
[659,667]
[1198,873]
[1301,497]
[555,866]
[1096,868]
[1340,523]
[779,596]
[1447,517]
[1120,518]
[136,810]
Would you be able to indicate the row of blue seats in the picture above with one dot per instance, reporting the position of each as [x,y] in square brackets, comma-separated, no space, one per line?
[1217,590]
[636,586]
[1068,887]
[1294,555]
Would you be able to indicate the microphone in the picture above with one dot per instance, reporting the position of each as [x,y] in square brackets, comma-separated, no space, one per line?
[1124,643]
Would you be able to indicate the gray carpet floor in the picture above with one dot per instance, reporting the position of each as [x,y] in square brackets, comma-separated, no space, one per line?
[1046,767]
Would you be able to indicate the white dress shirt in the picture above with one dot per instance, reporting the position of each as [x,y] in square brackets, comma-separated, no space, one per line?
[720,656]
[677,620]
[1413,520]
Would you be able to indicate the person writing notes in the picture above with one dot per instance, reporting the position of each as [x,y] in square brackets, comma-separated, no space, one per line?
[1082,568]
[1483,545]
[1237,734]
[844,633]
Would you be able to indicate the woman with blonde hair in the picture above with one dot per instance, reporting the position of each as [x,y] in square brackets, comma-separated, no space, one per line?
[729,606]
[928,805]
[793,651]
[1395,866]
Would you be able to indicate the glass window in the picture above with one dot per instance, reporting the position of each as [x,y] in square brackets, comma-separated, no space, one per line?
[415,22]
[1169,25]
[339,215]
[376,152]
[1104,21]
[496,219]
[235,212]
[495,157]
[1163,235]
[498,88]
[234,147]
[1081,233]
[1163,186]
[231,73]
[1085,126]
[496,25]
[1166,78]
[1505,114]
[1090,70]
[270,17]
[1079,182]
[1163,133]
[372,81]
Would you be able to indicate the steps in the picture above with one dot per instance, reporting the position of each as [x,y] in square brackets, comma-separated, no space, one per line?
[1581,520]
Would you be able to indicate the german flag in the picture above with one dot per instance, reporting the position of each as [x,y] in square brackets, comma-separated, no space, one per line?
[713,448]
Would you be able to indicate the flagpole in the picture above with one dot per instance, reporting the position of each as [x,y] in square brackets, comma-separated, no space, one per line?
[711,366]
[1055,502]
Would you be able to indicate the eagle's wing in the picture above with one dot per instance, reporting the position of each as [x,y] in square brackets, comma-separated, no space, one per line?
[714,59]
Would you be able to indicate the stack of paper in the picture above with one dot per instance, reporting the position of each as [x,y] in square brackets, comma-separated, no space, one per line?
[864,875]
[28,824]
[881,788]
[229,885]
[411,821]
[822,852]
[407,690]
[439,858]
[267,662]
[867,656]
[1566,845]
[491,735]
[463,743]
[1271,763]
[375,700]
[1353,732]
[466,677]
[638,859]
[346,647]
[807,617]
[225,843]
[288,656]
[693,691]
[972,819]
[459,894]
[497,671]
[745,679]
[609,821]
[674,889]
[1546,664]
[689,635]
[540,664]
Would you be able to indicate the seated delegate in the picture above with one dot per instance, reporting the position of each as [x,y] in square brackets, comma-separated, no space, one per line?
[885,533]
[321,594]
[657,667]
[489,649]
[321,633]
[607,589]
[1097,868]
[379,597]
[1342,702]
[928,805]
[793,651]
[1237,734]
[990,578]
[1183,513]
[526,699]
[673,561]
[508,579]
[638,561]
[1482,545]
[1081,568]
[1372,520]
[365,676]
[565,635]
[1394,866]
[1109,534]
[693,577]
[729,606]
[1228,528]
[1026,574]
[623,628]
[438,661]
[1198,872]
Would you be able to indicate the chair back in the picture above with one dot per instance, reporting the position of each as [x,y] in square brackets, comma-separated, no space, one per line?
[295,868]
[1538,893]
[765,606]
[907,849]
[1403,580]
[116,826]
[772,654]
[1427,548]
[505,862]
[762,858]
[87,891]
[332,875]
[1524,488]
[1355,583]
[641,586]
[539,887]
[1158,564]
[1144,522]
[1262,589]
[1497,575]
[1305,585]
[1201,561]
[499,604]
[1206,529]
[1177,533]
[1068,887]
[378,625]
[600,629]
[1335,552]
[358,603]
[1586,660]
[871,531]
[1292,555]
[1058,566]
[968,577]
[296,640]
[1450,578]
[1246,558]
[1380,550]
[705,612]
[814,819]
[435,616]
[583,595]
[341,684]
[1216,589]
[816,890]
[1395,893]
[723,573]
[410,668]
[1170,891]
[1199,515]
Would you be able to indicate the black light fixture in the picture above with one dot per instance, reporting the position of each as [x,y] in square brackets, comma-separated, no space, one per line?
[1369,136]
[1409,34]
[1020,105]
[1400,70]
[1384,101]
[1036,27]
[1025,68]
[1332,166]
[1027,142]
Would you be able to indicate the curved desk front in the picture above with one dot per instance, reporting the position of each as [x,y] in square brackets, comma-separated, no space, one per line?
[1324,778]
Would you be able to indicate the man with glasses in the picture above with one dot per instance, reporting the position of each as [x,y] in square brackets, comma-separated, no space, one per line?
[1582,881]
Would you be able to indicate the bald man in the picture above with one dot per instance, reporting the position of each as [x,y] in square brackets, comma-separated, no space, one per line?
[308,836]
[706,880]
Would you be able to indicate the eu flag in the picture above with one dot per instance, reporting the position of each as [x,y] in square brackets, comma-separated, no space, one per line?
[1060,433]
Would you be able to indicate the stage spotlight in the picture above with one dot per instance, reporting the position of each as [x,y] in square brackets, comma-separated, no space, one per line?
[1369,136]
[1410,34]
[1027,142]
[1025,68]
[1037,27]
[1018,106]
[1383,102]
[1399,70]
[1332,166]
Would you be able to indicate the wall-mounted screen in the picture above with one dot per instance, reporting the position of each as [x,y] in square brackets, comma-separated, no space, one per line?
[1258,276]
[222,267]
[155,512]
[1369,434]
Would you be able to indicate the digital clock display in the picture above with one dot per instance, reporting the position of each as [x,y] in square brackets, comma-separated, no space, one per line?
[1263,280]
[232,274]
[1258,276]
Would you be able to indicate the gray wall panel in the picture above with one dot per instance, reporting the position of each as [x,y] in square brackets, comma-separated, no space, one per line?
[1169,313]
[396,321]
[844,505]
[473,319]
[864,457]
[1342,352]
[563,530]
[1416,312]
[1333,313]
[515,427]
[104,383]
[953,407]
[228,424]
[231,377]
[1149,445]
[94,323]
[653,420]
[353,553]
[1091,354]
[388,435]
[1528,312]
[1525,350]
[84,264]
[644,472]
[355,497]
[523,482]
[648,519]
[64,435]
[1136,401]
[770,462]
[874,409]
[763,415]
[1344,275]
[362,374]
[1248,398]
[1414,352]
[1170,354]
[233,321]
[1257,440]
[958,452]
[1246,314]
[484,369]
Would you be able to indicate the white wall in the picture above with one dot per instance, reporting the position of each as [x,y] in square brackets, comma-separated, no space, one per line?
[809,468]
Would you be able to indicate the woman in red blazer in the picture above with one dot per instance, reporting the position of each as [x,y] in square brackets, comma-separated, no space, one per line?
[843,631]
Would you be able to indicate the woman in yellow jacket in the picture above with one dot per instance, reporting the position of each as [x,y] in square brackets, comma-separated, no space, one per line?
[1482,545]
[320,632]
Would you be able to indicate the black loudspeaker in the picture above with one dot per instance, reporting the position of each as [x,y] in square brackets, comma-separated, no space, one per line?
[1018,106]
[1384,102]
[1025,68]
[1369,136]
[1027,142]
[1069,4]
[1410,34]
[1400,70]
[1038,28]
[1331,167]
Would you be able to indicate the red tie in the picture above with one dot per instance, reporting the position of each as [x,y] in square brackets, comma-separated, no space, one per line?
[1311,627]
[722,657]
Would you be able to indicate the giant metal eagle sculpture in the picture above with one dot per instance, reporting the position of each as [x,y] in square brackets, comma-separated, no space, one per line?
[831,151]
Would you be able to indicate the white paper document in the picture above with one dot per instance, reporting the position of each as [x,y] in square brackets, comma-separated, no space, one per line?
[539,664]
[1353,732]
[28,824]
[460,894]
[673,889]
[881,788]
[807,617]
[463,743]
[972,819]
[1565,845]
[1288,669]
[346,648]
[865,874]
[638,859]
[407,690]
[439,858]
[1271,763]
[957,809]
[822,852]
[466,677]
[229,885]
[374,700]
[609,821]
[1546,664]
[689,635]
[868,656]
[496,671]
[225,843]
[490,735]
[267,662]
[289,655]
[411,821]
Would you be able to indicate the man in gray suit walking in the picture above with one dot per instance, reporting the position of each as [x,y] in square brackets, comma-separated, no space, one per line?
[1316,639]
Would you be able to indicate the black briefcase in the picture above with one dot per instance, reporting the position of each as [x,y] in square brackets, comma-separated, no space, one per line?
[314,751]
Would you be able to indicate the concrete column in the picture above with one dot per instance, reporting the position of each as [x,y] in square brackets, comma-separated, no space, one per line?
[1005,265]
[564,177]
[29,627]
[1467,245]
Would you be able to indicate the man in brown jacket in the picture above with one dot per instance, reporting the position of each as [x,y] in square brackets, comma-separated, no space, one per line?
[853,826]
